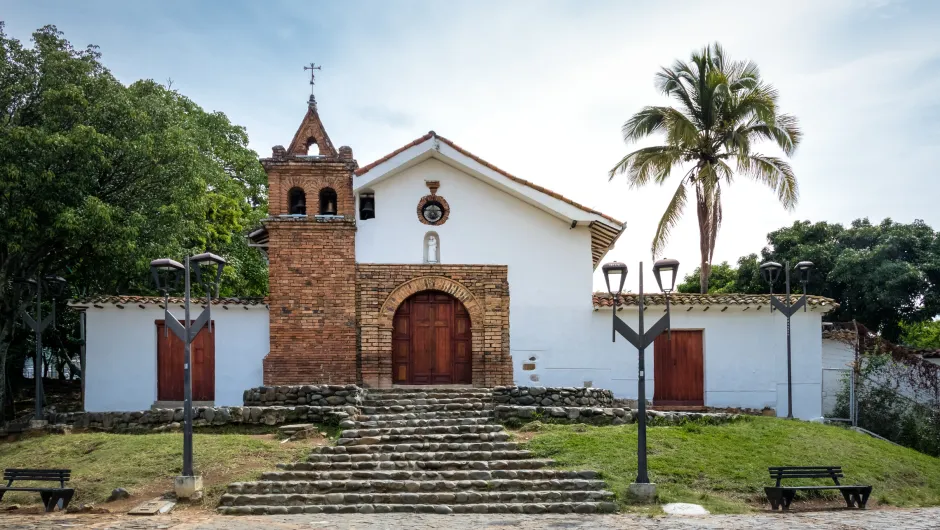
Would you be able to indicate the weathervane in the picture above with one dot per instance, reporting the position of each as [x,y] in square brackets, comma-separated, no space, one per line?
[313,67]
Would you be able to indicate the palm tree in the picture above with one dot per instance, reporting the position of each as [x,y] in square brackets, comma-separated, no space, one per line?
[723,109]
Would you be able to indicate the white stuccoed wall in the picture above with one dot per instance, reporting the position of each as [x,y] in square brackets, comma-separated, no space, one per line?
[744,354]
[549,263]
[837,359]
[122,355]
[552,322]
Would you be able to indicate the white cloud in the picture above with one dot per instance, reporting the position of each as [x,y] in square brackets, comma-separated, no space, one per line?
[541,88]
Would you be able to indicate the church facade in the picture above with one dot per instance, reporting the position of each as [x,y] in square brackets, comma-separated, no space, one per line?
[432,266]
[413,269]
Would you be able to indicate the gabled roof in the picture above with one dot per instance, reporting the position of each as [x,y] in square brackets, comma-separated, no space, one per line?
[719,301]
[605,230]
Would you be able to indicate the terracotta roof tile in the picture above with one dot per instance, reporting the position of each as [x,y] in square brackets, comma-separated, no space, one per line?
[601,299]
[158,300]
[365,169]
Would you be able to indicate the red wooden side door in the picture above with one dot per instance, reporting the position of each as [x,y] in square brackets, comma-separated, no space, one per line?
[678,368]
[170,365]
[431,341]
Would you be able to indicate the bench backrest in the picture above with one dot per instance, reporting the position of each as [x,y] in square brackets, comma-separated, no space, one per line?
[54,475]
[789,472]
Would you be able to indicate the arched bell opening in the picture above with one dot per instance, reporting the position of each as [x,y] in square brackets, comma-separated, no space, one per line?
[327,201]
[296,202]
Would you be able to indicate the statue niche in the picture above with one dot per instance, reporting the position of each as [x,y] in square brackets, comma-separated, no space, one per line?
[432,248]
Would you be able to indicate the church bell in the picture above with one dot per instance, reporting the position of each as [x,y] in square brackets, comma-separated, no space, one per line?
[367,209]
[299,207]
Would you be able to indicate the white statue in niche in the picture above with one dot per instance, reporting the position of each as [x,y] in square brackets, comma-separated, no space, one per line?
[432,252]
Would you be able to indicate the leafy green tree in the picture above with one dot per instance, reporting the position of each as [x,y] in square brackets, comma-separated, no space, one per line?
[98,178]
[721,280]
[727,279]
[921,334]
[882,275]
[724,110]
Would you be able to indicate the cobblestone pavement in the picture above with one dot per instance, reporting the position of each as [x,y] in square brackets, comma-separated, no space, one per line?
[913,519]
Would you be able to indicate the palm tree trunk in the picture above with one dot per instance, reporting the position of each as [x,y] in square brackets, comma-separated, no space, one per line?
[704,234]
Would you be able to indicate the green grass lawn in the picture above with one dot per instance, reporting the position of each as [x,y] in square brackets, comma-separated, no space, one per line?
[724,468]
[145,464]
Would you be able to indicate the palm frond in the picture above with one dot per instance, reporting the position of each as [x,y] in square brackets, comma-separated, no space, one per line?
[758,104]
[737,141]
[680,131]
[669,219]
[644,123]
[673,82]
[775,174]
[723,170]
[647,163]
[784,130]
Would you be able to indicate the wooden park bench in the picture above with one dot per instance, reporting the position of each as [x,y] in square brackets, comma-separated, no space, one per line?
[782,496]
[50,495]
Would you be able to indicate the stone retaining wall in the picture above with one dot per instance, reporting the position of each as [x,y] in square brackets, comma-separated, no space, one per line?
[169,419]
[293,395]
[511,414]
[553,397]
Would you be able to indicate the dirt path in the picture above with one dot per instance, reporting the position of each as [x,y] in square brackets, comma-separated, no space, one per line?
[909,519]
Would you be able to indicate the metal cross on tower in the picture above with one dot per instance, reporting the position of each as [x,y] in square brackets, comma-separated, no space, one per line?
[313,68]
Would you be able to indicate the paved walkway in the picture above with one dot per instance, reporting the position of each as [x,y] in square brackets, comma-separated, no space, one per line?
[915,519]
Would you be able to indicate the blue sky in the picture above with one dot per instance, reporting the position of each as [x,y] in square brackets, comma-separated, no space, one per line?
[541,88]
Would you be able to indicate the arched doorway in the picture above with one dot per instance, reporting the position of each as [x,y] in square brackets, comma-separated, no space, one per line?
[431,341]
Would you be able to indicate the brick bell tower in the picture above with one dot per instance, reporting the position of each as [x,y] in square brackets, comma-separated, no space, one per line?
[311,232]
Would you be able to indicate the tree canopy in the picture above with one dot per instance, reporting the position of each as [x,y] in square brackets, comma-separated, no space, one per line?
[882,275]
[98,178]
[725,109]
[921,334]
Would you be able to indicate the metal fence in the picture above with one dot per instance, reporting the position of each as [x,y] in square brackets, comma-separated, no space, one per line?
[883,406]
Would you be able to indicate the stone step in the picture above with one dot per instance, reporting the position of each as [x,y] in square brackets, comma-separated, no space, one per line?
[397,409]
[289,430]
[439,455]
[440,415]
[431,395]
[410,486]
[389,402]
[509,474]
[427,388]
[430,465]
[446,497]
[420,447]
[386,424]
[545,507]
[415,431]
[418,438]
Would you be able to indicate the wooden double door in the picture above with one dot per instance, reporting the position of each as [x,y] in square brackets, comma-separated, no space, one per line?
[431,341]
[678,368]
[170,357]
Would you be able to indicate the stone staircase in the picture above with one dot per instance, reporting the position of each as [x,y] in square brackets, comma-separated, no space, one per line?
[427,450]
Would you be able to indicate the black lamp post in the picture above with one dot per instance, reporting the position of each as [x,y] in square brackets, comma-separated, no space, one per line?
[166,274]
[55,285]
[770,271]
[616,273]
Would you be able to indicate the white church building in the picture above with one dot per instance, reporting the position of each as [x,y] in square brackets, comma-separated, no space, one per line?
[434,266]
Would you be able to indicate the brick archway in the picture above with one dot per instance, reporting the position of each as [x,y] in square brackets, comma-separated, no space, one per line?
[431,283]
[482,289]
